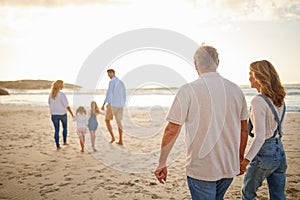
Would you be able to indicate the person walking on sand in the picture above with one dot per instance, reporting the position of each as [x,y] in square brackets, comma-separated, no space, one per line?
[81,122]
[59,105]
[93,122]
[115,100]
[214,111]
[266,153]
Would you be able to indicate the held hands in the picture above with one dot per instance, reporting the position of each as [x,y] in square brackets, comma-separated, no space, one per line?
[161,174]
[243,166]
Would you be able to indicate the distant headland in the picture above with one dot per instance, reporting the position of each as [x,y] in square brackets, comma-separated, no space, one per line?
[32,85]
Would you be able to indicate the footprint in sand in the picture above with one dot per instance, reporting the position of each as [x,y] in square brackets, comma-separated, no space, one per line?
[48,190]
[46,185]
[109,188]
[68,179]
[17,193]
[64,184]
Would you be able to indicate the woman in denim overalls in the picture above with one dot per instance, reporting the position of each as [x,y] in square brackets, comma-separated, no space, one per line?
[266,154]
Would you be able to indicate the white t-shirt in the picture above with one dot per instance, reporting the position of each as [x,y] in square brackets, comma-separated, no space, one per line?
[81,121]
[58,106]
[212,109]
[264,124]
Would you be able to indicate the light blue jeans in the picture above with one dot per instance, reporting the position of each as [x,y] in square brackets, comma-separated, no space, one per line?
[269,163]
[208,190]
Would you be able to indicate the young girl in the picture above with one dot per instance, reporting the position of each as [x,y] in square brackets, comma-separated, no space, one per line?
[93,123]
[81,125]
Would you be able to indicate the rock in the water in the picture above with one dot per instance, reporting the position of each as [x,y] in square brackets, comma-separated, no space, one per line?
[3,92]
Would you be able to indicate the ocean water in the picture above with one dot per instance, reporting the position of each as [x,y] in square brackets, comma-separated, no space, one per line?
[153,99]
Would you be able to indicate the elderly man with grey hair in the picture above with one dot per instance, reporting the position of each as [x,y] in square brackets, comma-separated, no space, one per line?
[214,112]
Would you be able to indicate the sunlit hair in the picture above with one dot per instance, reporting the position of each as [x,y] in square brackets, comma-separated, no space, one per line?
[110,70]
[56,86]
[206,57]
[267,77]
[94,108]
[81,110]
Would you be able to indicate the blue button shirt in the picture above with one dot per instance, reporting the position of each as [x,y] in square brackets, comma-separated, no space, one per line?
[116,93]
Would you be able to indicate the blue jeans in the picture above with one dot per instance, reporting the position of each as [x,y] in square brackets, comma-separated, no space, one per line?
[64,120]
[208,190]
[269,163]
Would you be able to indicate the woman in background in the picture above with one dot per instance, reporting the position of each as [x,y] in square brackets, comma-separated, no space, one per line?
[59,105]
[266,154]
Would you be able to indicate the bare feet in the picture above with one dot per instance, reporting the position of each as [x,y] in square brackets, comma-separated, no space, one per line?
[58,148]
[112,140]
[94,149]
[82,150]
[120,143]
[66,144]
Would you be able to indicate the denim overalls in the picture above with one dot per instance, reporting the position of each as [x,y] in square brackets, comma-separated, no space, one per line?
[269,163]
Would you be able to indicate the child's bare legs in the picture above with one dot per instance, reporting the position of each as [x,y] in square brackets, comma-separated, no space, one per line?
[93,138]
[82,140]
[109,128]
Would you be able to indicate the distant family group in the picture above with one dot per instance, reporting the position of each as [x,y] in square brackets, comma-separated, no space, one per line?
[59,105]
[217,124]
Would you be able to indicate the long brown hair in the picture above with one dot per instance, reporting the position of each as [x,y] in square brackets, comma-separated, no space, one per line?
[268,79]
[56,86]
[94,108]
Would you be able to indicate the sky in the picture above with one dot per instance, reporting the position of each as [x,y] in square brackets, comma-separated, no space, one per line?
[41,39]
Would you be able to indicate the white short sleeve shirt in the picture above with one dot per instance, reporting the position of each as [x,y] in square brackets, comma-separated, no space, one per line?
[211,108]
[81,121]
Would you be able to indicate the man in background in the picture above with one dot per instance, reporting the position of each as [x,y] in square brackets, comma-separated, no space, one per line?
[115,100]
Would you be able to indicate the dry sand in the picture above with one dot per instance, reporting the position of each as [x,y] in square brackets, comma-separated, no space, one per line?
[31,168]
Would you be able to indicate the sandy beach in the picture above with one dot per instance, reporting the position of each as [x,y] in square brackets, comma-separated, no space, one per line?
[31,168]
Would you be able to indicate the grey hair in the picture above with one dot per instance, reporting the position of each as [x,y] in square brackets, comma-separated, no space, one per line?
[206,57]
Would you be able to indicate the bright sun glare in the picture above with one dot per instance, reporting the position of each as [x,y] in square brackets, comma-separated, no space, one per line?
[53,42]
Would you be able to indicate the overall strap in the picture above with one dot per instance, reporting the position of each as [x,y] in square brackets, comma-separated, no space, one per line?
[250,126]
[279,122]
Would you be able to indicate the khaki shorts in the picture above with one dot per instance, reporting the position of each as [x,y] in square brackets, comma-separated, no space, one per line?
[114,111]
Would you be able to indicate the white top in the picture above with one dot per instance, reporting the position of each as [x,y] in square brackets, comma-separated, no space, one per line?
[263,122]
[212,109]
[58,106]
[81,121]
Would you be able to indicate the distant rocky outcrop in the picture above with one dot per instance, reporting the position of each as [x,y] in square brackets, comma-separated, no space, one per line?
[32,84]
[3,92]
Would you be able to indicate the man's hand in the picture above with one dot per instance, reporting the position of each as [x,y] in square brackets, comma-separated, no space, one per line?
[243,166]
[161,174]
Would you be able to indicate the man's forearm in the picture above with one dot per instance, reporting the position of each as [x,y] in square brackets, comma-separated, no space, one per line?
[170,135]
[244,138]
